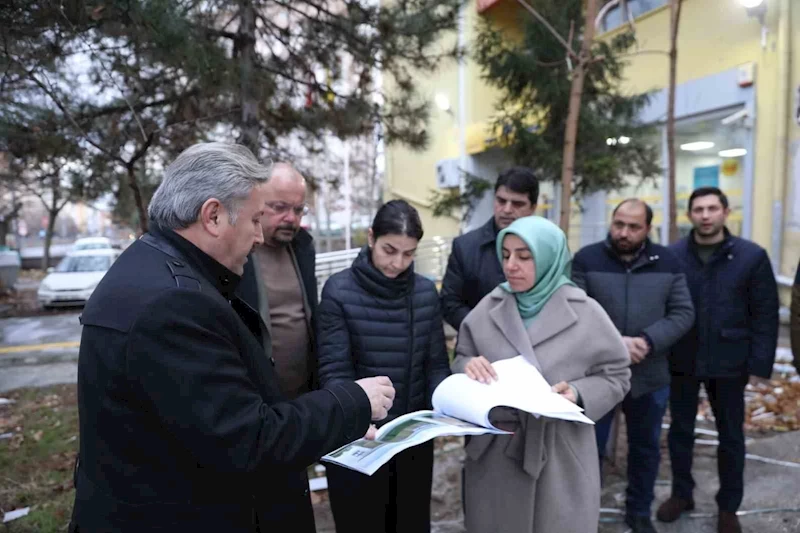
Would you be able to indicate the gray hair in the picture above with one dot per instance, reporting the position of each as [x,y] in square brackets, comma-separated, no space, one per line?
[227,172]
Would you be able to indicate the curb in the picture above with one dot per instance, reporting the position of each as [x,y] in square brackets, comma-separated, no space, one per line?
[37,358]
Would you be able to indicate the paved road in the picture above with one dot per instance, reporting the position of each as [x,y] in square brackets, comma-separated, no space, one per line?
[38,351]
[36,334]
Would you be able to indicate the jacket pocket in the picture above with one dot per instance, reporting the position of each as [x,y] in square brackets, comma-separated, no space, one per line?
[732,352]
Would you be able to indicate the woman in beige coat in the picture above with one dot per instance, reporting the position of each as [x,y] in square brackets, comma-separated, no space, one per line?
[544,478]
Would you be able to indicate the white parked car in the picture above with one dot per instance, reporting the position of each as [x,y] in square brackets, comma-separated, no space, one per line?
[76,276]
[92,243]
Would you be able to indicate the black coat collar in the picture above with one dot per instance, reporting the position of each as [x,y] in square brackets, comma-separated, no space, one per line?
[218,275]
[488,232]
[375,282]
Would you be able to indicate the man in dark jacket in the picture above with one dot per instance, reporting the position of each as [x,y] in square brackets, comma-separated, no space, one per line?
[641,287]
[473,270]
[182,421]
[734,336]
[279,281]
[794,319]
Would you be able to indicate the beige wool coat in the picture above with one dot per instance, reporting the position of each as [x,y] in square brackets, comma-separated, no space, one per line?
[545,478]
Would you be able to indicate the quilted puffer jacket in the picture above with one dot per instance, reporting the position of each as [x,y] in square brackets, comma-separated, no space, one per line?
[370,325]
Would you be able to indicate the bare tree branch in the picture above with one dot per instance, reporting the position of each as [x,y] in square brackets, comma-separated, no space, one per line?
[644,52]
[199,119]
[550,28]
[569,42]
[51,93]
[218,33]
[110,110]
[105,69]
[141,151]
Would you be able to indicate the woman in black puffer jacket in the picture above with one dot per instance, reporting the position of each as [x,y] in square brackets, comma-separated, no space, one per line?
[379,318]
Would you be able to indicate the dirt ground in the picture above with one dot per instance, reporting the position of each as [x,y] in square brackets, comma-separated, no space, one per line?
[39,440]
[766,487]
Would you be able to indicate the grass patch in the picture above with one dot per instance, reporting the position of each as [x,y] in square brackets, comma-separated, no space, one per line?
[36,462]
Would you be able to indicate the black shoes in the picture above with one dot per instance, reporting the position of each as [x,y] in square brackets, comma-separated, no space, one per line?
[640,524]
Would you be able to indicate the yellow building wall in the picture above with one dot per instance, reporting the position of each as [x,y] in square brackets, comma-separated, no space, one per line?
[410,174]
[704,48]
[733,39]
[791,240]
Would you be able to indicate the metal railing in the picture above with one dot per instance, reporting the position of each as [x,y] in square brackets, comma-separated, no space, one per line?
[431,260]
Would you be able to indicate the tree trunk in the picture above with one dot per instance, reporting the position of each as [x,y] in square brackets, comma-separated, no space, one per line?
[675,15]
[375,193]
[328,234]
[7,221]
[313,214]
[52,215]
[249,102]
[573,115]
[5,227]
[141,211]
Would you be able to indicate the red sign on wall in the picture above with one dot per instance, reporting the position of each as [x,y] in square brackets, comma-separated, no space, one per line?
[483,5]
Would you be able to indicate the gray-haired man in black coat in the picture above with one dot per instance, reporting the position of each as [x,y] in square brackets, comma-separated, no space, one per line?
[183,425]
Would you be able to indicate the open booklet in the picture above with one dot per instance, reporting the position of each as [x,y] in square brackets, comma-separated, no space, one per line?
[461,406]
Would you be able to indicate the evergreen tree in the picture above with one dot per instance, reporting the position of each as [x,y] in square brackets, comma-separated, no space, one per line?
[533,75]
[164,73]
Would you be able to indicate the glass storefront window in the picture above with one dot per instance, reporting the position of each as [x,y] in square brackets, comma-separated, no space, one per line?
[616,17]
[708,153]
[650,191]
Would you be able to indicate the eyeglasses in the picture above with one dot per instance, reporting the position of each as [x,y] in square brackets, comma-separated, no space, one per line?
[280,208]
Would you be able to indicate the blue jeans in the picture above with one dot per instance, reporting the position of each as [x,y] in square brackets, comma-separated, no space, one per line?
[643,416]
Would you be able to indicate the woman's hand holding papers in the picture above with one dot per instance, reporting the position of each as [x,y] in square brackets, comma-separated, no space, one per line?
[480,369]
[564,389]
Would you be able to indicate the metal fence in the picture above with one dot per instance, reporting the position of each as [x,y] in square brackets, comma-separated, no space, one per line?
[431,260]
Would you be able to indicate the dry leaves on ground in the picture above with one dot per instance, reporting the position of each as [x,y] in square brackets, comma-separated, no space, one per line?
[774,407]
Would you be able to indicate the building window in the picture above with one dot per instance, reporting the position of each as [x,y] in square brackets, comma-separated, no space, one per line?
[616,17]
[707,153]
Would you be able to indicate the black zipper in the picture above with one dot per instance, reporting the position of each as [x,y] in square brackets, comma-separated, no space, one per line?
[410,347]
[628,271]
[627,308]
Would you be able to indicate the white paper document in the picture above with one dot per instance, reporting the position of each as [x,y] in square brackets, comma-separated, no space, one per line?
[462,406]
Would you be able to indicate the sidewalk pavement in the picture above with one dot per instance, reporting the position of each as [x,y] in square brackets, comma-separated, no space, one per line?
[767,486]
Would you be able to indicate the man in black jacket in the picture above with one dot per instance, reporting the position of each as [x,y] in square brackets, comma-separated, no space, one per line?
[279,281]
[794,319]
[734,336]
[473,270]
[641,287]
[183,426]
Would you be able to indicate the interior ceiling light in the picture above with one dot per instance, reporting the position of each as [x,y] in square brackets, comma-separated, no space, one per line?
[751,3]
[733,152]
[697,146]
[442,102]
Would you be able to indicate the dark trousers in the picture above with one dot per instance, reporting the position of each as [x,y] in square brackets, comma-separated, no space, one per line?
[643,416]
[395,499]
[727,401]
